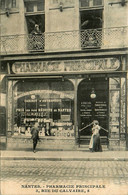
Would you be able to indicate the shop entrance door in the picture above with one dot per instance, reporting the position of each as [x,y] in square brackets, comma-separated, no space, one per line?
[92,105]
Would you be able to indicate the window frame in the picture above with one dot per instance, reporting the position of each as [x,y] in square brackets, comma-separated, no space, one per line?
[35,7]
[11,5]
[91,5]
[3,4]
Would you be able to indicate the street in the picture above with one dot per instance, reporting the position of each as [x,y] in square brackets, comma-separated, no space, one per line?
[35,176]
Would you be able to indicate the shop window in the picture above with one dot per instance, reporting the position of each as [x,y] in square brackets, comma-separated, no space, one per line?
[123,108]
[50,103]
[2,120]
[114,115]
[117,110]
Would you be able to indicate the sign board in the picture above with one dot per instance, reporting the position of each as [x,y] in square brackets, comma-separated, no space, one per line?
[67,66]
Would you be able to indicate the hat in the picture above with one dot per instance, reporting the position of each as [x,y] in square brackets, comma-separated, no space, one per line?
[96,122]
[36,25]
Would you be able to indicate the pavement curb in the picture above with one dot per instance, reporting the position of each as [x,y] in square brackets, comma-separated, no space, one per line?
[63,159]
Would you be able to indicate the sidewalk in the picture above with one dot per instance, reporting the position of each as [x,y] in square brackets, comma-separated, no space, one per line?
[65,155]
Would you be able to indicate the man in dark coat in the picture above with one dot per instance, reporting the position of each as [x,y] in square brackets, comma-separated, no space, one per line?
[35,136]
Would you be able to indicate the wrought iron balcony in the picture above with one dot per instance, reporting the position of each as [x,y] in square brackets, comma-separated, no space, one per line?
[65,41]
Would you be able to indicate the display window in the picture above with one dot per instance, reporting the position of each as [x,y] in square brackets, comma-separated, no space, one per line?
[114,85]
[50,103]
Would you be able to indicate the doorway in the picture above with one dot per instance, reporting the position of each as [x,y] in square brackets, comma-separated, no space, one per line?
[93,105]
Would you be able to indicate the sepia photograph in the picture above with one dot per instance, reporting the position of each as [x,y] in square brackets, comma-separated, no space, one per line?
[63,97]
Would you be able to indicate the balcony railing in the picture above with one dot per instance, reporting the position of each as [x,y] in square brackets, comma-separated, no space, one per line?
[65,41]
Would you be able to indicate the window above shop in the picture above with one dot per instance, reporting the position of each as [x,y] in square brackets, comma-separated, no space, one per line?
[8,4]
[38,19]
[2,4]
[91,19]
[90,3]
[35,19]
[13,3]
[34,6]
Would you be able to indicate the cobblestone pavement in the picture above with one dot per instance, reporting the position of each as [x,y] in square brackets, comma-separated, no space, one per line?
[64,172]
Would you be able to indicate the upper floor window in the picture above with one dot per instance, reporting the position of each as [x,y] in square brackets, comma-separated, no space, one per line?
[30,7]
[13,3]
[34,6]
[90,3]
[91,23]
[97,2]
[91,19]
[40,6]
[4,4]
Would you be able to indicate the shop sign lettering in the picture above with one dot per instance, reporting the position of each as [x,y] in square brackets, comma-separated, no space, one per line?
[72,66]
[46,94]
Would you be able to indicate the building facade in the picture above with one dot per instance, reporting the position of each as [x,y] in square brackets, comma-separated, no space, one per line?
[64,64]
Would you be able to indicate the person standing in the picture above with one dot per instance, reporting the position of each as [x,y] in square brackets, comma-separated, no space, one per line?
[95,145]
[92,140]
[35,136]
[37,38]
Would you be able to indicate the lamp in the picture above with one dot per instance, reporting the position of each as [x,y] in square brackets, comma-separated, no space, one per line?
[93,94]
[33,97]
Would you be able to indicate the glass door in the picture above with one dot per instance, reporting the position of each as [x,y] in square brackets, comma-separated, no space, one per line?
[93,104]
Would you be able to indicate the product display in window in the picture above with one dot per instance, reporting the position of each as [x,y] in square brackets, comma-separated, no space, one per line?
[52,109]
[114,106]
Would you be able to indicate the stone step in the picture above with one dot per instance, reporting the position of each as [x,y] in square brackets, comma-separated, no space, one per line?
[86,147]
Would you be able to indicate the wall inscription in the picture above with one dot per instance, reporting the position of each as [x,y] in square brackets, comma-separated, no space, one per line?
[72,66]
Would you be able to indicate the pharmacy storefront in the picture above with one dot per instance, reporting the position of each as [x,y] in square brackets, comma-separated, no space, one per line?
[64,97]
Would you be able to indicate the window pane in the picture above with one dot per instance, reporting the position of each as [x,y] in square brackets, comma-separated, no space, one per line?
[2,3]
[30,7]
[84,3]
[40,6]
[97,2]
[13,3]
